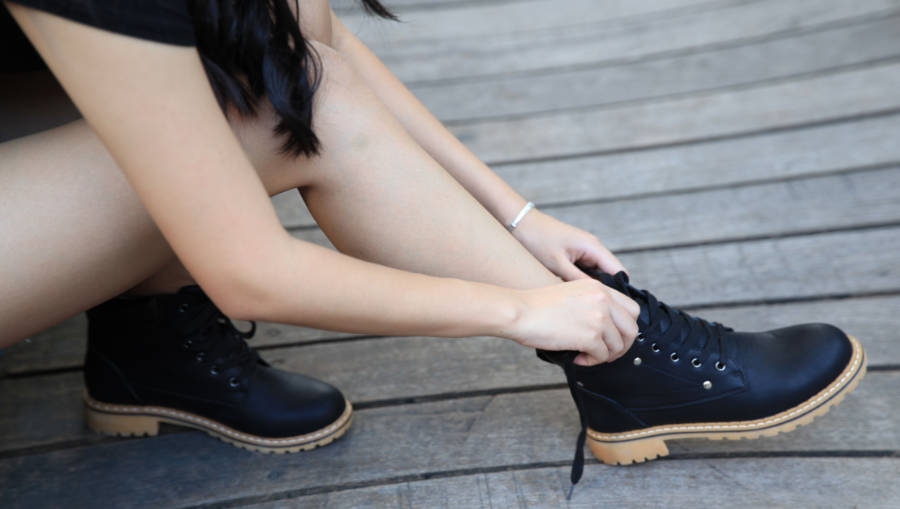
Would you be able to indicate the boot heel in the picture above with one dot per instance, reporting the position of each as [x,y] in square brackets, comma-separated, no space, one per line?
[121,425]
[626,453]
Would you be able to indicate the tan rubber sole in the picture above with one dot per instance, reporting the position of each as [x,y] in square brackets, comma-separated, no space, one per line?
[125,420]
[650,443]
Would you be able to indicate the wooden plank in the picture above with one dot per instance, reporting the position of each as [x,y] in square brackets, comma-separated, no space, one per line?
[467,58]
[828,264]
[749,483]
[686,119]
[780,208]
[354,6]
[481,432]
[792,154]
[721,163]
[771,269]
[717,68]
[478,20]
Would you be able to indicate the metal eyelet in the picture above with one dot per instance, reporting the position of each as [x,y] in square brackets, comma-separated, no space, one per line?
[654,347]
[637,361]
[214,370]
[182,308]
[233,382]
[707,384]
[640,337]
[674,357]
[720,366]
[200,356]
[187,343]
[696,362]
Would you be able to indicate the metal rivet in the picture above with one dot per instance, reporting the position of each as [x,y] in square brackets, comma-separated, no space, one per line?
[707,385]
[637,361]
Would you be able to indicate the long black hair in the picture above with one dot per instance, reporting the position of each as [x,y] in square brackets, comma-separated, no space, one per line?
[253,49]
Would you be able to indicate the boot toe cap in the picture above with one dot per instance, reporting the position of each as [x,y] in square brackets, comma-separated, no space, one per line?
[792,364]
[285,404]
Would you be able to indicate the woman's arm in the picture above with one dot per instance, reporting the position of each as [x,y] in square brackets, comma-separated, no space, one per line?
[555,244]
[152,107]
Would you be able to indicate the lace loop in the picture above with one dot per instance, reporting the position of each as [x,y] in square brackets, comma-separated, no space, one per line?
[213,335]
[673,328]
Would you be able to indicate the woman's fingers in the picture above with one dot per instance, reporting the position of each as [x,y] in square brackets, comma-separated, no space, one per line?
[597,255]
[626,302]
[567,270]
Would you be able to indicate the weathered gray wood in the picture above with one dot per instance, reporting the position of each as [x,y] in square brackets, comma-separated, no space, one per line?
[478,20]
[746,483]
[720,163]
[689,118]
[735,161]
[828,264]
[479,432]
[456,58]
[713,69]
[353,6]
[735,213]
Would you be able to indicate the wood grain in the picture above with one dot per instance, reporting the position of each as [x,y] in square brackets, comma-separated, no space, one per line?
[703,116]
[429,58]
[747,483]
[481,432]
[717,68]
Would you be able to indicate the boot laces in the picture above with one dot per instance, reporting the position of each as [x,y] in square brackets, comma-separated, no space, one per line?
[668,328]
[215,340]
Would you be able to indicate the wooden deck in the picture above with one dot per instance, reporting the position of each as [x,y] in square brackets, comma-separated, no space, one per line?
[741,156]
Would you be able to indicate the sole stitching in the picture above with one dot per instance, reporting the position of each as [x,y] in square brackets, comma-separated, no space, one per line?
[208,424]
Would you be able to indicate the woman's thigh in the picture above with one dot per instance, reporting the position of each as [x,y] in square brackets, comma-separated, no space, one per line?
[72,231]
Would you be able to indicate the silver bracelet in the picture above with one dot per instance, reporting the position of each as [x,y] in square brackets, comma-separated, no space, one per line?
[522,213]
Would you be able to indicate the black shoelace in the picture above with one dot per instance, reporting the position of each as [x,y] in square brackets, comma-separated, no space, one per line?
[215,339]
[667,328]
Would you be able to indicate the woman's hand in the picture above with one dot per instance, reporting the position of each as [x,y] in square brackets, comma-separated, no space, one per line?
[560,246]
[583,315]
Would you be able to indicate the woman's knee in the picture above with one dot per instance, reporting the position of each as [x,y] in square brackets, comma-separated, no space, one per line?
[345,114]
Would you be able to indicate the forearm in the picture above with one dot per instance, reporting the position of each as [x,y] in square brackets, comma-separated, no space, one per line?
[488,188]
[305,284]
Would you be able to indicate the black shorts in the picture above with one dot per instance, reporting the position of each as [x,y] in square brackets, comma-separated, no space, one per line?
[18,55]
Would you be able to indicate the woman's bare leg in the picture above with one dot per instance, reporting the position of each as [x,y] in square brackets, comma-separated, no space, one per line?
[380,197]
[74,234]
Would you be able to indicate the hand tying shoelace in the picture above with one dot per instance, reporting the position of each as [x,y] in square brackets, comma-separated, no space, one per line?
[669,328]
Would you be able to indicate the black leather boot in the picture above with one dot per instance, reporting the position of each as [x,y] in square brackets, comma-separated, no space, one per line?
[688,378]
[177,359]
